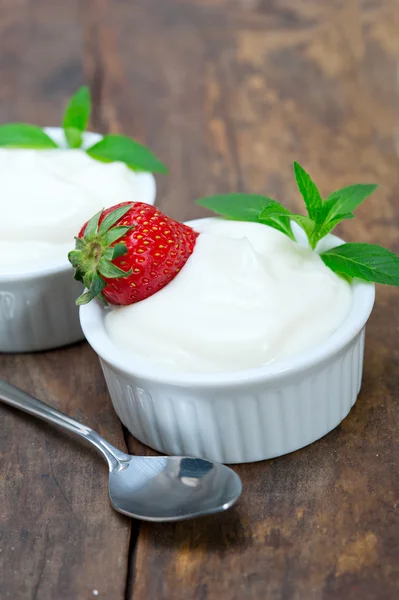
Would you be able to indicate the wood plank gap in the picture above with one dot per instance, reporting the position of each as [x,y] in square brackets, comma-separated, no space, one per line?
[131,559]
[94,65]
[134,534]
[96,86]
[96,77]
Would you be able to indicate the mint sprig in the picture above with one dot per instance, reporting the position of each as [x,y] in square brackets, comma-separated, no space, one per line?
[367,262]
[111,148]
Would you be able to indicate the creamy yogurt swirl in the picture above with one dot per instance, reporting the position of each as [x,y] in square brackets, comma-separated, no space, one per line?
[247,296]
[47,195]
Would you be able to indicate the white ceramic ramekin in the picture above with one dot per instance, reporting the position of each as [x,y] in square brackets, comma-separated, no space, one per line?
[237,417]
[37,310]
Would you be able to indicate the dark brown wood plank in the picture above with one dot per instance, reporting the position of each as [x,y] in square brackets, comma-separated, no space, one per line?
[242,90]
[60,538]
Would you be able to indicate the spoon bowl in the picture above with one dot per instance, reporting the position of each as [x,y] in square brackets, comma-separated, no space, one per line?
[150,488]
[172,488]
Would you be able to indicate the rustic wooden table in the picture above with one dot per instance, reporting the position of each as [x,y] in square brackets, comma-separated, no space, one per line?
[228,93]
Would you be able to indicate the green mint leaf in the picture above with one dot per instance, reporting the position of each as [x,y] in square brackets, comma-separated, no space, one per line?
[22,135]
[248,207]
[123,149]
[115,233]
[309,192]
[345,200]
[368,262]
[92,226]
[108,269]
[73,137]
[327,221]
[275,209]
[339,206]
[281,224]
[76,116]
[113,217]
[237,207]
[304,223]
[328,226]
[277,216]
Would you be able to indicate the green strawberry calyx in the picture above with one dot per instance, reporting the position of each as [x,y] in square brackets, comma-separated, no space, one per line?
[95,251]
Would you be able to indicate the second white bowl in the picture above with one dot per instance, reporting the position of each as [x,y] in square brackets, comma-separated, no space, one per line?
[37,309]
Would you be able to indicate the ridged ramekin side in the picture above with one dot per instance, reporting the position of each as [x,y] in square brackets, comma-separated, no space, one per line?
[240,423]
[39,313]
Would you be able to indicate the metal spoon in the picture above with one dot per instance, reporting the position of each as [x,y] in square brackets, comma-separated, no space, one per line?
[151,488]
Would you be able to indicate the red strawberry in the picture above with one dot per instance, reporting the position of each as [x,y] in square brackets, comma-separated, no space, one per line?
[128,252]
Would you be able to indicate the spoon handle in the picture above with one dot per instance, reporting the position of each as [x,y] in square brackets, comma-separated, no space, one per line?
[19,399]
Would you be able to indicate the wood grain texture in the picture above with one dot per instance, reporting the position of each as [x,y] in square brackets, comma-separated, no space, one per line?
[267,83]
[59,537]
[228,93]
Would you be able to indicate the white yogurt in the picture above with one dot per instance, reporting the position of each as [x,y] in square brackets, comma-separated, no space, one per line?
[47,195]
[247,296]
